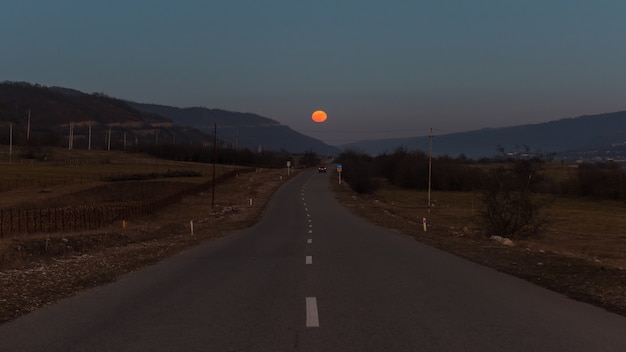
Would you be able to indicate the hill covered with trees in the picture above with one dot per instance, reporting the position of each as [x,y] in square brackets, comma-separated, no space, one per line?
[53,116]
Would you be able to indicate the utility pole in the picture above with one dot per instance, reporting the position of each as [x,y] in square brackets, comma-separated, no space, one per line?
[214,161]
[109,140]
[10,142]
[430,164]
[70,143]
[28,128]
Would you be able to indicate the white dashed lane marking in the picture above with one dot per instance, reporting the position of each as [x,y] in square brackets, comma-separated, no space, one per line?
[312,319]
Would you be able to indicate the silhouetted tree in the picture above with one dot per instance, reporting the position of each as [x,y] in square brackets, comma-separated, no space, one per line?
[511,209]
[309,159]
[600,181]
[358,171]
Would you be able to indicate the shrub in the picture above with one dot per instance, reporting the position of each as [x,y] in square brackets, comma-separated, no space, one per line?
[358,171]
[511,209]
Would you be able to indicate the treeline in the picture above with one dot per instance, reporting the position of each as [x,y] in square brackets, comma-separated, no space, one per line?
[410,170]
[230,156]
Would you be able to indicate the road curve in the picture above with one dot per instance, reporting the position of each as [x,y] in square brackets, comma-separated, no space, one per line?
[310,276]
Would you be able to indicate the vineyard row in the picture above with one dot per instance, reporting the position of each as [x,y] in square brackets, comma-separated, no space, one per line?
[52,220]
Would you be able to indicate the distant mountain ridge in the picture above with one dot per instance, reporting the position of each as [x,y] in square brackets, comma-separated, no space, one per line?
[55,110]
[241,129]
[579,134]
[98,117]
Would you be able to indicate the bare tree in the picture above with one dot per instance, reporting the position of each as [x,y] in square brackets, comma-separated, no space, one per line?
[511,208]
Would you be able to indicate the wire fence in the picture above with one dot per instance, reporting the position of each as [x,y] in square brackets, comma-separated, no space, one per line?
[51,220]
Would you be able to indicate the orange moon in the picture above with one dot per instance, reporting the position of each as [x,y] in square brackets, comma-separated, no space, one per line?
[319,116]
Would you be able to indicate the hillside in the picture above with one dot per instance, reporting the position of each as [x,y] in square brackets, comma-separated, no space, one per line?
[241,129]
[570,137]
[54,110]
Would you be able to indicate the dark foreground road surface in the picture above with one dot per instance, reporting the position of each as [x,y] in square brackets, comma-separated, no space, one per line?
[312,277]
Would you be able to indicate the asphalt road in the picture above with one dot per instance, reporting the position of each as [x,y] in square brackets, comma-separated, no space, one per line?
[310,276]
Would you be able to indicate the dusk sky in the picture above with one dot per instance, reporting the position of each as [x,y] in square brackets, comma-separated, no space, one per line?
[380,69]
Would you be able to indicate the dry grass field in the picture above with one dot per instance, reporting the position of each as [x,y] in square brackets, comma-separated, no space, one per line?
[580,228]
[30,181]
